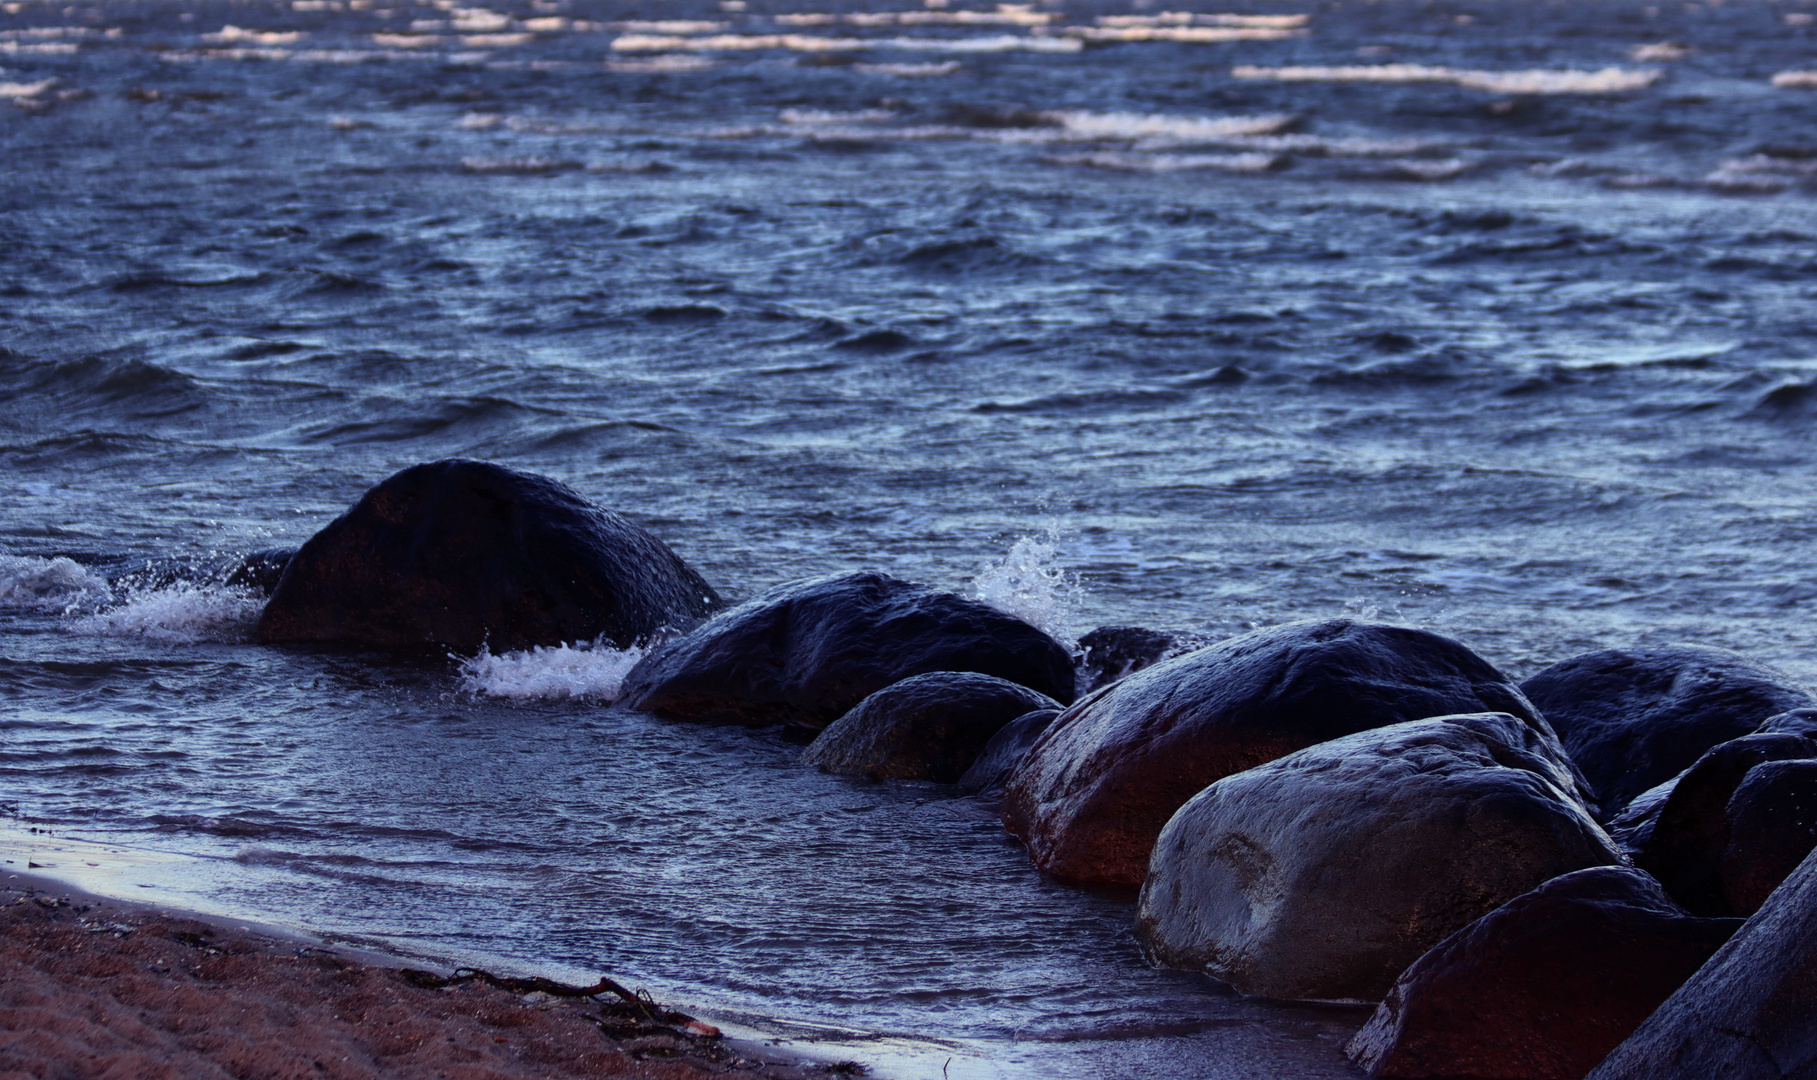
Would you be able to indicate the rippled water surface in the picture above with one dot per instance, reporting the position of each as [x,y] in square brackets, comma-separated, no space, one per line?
[1490,317]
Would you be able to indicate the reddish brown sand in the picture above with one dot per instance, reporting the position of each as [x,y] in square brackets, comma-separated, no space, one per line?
[91,990]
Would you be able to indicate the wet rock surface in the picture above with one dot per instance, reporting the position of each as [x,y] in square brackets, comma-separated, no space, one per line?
[928,727]
[463,554]
[1745,1015]
[1633,719]
[1113,653]
[1543,987]
[808,652]
[999,758]
[1324,874]
[1096,789]
[1693,837]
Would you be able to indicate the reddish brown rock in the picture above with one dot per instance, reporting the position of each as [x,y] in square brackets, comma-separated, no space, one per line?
[1092,795]
[1543,987]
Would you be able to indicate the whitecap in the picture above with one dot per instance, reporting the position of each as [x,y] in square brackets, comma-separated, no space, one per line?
[591,672]
[234,35]
[1566,81]
[60,584]
[1796,80]
[179,615]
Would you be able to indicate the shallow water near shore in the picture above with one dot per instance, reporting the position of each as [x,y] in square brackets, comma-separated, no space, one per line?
[1490,318]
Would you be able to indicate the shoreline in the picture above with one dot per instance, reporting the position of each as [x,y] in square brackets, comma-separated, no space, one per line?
[95,985]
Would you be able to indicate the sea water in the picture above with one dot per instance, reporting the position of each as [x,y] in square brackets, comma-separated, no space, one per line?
[1489,317]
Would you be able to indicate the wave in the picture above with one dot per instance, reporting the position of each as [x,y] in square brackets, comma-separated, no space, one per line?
[1605,81]
[809,43]
[586,672]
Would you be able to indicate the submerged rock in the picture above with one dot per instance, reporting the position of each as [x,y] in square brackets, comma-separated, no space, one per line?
[1543,987]
[463,554]
[1005,751]
[1745,1015]
[807,652]
[1323,874]
[1633,719]
[928,727]
[1094,792]
[1693,837]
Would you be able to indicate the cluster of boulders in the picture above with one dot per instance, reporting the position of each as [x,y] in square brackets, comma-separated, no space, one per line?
[1607,867]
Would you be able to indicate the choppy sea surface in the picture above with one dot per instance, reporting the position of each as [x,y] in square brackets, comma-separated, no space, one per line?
[1491,317]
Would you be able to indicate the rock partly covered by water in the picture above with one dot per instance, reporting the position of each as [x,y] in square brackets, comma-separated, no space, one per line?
[1094,792]
[928,727]
[1748,1013]
[1112,653]
[1728,832]
[464,554]
[1543,987]
[1323,874]
[1633,719]
[807,652]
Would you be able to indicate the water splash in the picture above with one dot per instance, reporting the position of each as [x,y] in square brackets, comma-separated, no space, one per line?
[1029,583]
[587,671]
[60,584]
[179,615]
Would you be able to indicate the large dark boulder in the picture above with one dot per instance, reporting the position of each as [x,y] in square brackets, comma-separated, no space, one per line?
[1633,719]
[1112,653]
[1694,835]
[928,727]
[807,652]
[1322,875]
[1748,1014]
[1543,987]
[1772,827]
[463,554]
[1093,793]
[999,758]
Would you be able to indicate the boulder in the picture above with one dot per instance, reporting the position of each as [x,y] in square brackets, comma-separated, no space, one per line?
[928,727]
[1112,653]
[260,571]
[1543,987]
[1633,719]
[1633,827]
[1322,875]
[464,554]
[807,652]
[1093,793]
[1748,1013]
[1005,751]
[1692,836]
[1772,827]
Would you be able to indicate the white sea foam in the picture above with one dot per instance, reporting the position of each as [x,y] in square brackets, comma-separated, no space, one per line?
[1605,81]
[1029,583]
[20,91]
[1239,163]
[909,71]
[594,672]
[1005,15]
[180,615]
[810,43]
[234,35]
[1188,35]
[1796,80]
[32,584]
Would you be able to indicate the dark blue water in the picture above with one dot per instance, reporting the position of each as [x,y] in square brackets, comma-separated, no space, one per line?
[1489,317]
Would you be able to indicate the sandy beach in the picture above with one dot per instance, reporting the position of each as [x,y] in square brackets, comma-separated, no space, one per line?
[92,988]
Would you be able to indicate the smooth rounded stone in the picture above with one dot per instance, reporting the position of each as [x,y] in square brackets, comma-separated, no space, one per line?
[1094,792]
[1748,1014]
[1112,653]
[1772,827]
[1322,875]
[463,554]
[1691,836]
[1005,751]
[1796,722]
[1543,987]
[1633,827]
[1633,719]
[805,653]
[928,727]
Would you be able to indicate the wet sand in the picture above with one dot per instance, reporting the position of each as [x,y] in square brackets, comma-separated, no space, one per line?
[99,989]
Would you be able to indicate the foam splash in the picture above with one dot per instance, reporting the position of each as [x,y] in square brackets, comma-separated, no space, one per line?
[1606,81]
[61,584]
[179,615]
[1029,583]
[586,672]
